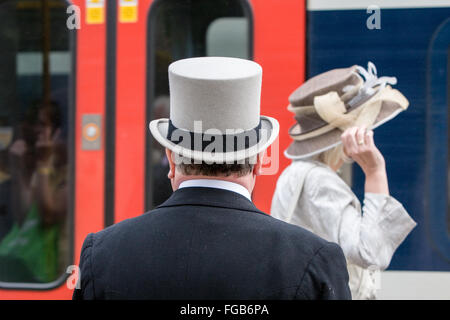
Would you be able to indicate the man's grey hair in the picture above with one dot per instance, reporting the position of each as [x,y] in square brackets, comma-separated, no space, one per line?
[238,168]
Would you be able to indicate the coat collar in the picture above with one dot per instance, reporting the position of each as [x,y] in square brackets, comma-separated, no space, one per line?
[211,197]
[218,184]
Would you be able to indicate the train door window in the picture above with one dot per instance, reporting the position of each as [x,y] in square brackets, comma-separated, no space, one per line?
[181,29]
[228,37]
[438,141]
[448,150]
[35,224]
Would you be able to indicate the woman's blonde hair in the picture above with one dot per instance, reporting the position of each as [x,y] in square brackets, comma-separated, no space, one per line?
[331,157]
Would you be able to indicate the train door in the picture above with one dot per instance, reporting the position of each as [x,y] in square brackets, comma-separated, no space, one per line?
[37,157]
[184,29]
[53,133]
[269,32]
[434,249]
[438,215]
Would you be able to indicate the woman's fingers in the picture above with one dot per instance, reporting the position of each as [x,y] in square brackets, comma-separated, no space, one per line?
[368,139]
[345,142]
[359,145]
[356,139]
[360,136]
[349,141]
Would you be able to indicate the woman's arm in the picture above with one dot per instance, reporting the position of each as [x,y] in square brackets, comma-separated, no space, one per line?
[50,195]
[384,223]
[51,200]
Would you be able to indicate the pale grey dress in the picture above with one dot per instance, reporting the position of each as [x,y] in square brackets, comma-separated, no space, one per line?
[326,206]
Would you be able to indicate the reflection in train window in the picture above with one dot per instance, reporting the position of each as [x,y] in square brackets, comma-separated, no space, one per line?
[34,79]
[228,37]
[181,29]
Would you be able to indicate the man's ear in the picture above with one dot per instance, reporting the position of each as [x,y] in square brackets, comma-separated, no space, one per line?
[171,173]
[257,169]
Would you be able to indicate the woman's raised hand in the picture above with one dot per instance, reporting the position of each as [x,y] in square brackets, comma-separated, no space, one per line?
[359,145]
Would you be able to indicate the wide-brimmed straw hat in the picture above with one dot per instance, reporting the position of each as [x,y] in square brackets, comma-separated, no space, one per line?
[215,111]
[327,104]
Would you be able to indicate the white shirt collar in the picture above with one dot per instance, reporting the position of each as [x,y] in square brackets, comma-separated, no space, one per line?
[219,184]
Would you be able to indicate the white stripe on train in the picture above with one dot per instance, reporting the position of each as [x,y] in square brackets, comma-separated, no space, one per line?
[414,285]
[318,5]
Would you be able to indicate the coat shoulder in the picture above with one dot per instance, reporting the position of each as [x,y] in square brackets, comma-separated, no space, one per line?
[121,230]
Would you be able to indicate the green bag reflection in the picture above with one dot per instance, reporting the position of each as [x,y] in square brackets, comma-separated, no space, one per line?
[29,253]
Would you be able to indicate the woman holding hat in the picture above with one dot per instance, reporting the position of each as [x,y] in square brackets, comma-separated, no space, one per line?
[336,112]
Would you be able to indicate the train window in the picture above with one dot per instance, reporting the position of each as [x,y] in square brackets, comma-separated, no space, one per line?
[438,143]
[181,29]
[448,156]
[35,228]
[228,37]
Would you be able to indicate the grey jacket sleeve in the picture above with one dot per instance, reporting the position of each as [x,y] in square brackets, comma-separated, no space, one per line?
[326,277]
[330,209]
[86,280]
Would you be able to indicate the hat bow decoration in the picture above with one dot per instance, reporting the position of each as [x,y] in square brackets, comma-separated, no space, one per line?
[369,103]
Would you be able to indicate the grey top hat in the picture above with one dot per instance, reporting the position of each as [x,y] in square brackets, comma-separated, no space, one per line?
[215,111]
[330,102]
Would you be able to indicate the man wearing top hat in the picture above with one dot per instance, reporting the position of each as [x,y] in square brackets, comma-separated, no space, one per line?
[208,240]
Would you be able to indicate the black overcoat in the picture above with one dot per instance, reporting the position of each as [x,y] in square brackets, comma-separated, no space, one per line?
[207,243]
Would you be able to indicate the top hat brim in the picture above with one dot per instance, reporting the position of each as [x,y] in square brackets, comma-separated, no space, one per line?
[160,127]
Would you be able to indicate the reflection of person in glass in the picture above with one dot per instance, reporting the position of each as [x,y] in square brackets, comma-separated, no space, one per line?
[29,252]
[5,180]
[333,111]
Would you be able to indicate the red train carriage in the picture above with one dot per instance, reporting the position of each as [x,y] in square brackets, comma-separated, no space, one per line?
[103,64]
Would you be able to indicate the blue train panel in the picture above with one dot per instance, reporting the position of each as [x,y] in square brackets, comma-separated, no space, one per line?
[412,45]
